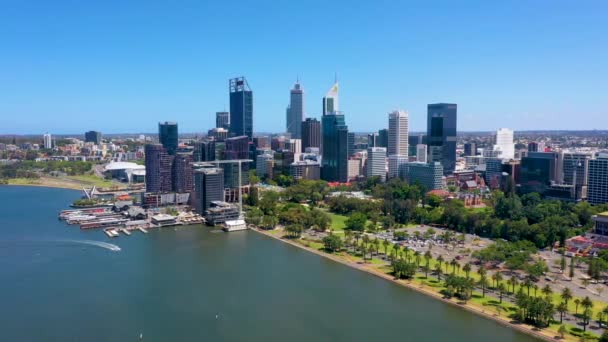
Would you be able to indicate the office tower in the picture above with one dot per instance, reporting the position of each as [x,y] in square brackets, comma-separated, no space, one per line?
[493,172]
[264,165]
[295,112]
[597,190]
[429,175]
[330,101]
[441,134]
[575,168]
[382,138]
[305,169]
[470,149]
[538,171]
[48,141]
[412,142]
[158,168]
[204,151]
[504,143]
[295,146]
[398,133]
[395,164]
[350,143]
[222,120]
[376,163]
[372,140]
[167,136]
[237,148]
[533,146]
[311,133]
[241,107]
[421,153]
[182,174]
[231,175]
[261,142]
[208,187]
[335,147]
[93,137]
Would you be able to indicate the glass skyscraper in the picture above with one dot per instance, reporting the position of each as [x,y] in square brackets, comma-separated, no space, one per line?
[295,112]
[167,135]
[441,135]
[335,148]
[241,108]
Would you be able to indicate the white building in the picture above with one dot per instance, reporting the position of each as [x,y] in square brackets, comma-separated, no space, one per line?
[376,162]
[421,153]
[398,133]
[504,143]
[395,163]
[48,142]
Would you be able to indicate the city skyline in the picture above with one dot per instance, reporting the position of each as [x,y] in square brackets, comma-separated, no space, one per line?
[516,65]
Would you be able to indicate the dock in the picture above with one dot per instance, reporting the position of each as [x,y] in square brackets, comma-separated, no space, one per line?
[110,232]
[143,230]
[125,231]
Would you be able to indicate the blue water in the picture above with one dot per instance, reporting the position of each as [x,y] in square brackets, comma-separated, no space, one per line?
[192,284]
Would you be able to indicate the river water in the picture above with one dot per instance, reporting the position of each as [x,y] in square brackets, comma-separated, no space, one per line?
[58,283]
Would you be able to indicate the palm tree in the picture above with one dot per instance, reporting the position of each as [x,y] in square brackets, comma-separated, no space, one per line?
[576,304]
[406,252]
[453,263]
[501,291]
[440,260]
[513,282]
[438,271]
[467,269]
[566,295]
[535,287]
[417,258]
[385,244]
[528,284]
[483,282]
[587,303]
[562,308]
[547,291]
[427,258]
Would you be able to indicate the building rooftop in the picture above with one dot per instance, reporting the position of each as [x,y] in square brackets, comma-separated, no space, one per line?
[123,166]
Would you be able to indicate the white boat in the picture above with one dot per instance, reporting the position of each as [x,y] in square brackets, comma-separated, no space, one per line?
[236,225]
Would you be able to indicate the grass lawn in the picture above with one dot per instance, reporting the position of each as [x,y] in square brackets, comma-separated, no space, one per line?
[92,180]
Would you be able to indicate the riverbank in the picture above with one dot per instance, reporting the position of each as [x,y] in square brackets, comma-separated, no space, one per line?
[543,334]
[60,183]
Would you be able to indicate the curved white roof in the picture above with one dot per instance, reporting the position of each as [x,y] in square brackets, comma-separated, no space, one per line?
[123,166]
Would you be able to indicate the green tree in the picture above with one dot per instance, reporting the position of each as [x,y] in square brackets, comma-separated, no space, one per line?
[566,295]
[356,222]
[562,308]
[332,243]
[467,269]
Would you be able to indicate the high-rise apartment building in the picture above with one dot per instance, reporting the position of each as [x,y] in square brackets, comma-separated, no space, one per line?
[376,163]
[504,144]
[48,141]
[93,137]
[158,169]
[398,133]
[168,136]
[441,134]
[295,112]
[597,190]
[222,120]
[241,107]
[182,175]
[311,133]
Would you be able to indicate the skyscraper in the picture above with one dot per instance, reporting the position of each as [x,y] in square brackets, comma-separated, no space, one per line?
[208,187]
[241,107]
[93,137]
[330,101]
[398,133]
[158,169]
[504,143]
[182,173]
[48,142]
[204,151]
[421,153]
[470,149]
[441,134]
[395,165]
[597,192]
[295,112]
[167,135]
[335,148]
[311,133]
[376,163]
[222,120]
[576,168]
[382,138]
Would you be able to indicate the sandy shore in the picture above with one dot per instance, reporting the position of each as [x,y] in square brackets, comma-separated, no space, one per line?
[527,329]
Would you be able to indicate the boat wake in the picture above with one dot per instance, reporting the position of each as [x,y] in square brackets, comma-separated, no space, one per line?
[109,246]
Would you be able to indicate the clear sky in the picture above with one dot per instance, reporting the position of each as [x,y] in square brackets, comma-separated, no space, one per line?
[122,66]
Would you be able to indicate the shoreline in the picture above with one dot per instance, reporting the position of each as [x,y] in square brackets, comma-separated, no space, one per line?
[65,187]
[523,328]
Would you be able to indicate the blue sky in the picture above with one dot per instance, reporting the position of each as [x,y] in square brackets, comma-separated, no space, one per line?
[122,66]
